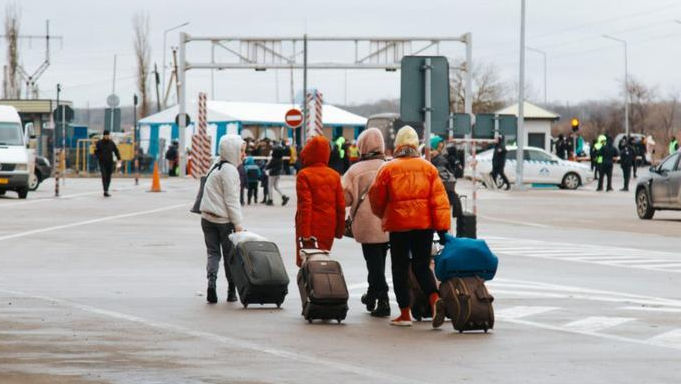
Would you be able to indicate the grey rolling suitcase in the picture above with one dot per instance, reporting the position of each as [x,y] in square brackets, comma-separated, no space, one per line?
[259,273]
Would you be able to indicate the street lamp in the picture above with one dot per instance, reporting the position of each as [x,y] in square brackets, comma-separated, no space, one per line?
[520,137]
[626,82]
[543,54]
[165,34]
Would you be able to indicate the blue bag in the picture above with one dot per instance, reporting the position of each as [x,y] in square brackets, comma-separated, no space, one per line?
[463,257]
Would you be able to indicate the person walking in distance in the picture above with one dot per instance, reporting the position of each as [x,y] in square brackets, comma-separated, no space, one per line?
[221,213]
[499,162]
[321,205]
[105,150]
[274,169]
[253,176]
[411,201]
[627,155]
[606,159]
[366,227]
[173,158]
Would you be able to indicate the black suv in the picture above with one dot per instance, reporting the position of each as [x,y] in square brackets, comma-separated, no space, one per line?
[661,189]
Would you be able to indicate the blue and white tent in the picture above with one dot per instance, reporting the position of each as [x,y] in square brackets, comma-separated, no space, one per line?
[254,120]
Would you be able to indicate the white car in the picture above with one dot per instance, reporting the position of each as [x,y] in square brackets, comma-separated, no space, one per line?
[539,167]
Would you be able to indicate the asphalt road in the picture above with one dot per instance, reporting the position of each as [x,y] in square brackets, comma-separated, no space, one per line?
[96,290]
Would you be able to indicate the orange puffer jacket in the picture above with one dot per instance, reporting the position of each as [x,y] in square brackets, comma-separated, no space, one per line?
[321,205]
[409,195]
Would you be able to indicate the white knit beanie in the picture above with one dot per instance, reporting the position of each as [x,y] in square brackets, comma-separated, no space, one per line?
[407,136]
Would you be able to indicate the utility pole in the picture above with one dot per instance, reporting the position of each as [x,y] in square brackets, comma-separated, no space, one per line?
[626,82]
[136,143]
[521,101]
[31,79]
[113,92]
[165,37]
[305,111]
[158,96]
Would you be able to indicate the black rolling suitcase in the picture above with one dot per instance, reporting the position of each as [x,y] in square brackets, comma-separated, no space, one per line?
[467,224]
[259,273]
[323,292]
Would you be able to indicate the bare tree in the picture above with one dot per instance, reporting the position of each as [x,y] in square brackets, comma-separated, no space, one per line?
[140,24]
[11,82]
[640,99]
[488,89]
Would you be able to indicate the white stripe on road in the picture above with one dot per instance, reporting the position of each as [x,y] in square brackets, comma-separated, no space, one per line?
[526,223]
[62,197]
[229,341]
[522,311]
[92,221]
[597,323]
[651,309]
[671,339]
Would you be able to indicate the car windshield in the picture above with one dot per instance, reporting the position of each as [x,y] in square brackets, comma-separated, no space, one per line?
[669,164]
[10,134]
[539,156]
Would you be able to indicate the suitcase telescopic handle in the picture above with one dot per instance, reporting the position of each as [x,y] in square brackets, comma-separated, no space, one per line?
[312,238]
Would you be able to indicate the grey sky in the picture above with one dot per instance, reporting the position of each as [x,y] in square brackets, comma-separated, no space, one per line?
[581,64]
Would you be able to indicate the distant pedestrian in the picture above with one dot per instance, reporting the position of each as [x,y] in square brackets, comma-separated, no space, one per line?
[221,213]
[242,184]
[411,201]
[366,227]
[595,157]
[673,145]
[105,149]
[172,156]
[499,163]
[321,205]
[338,157]
[264,182]
[627,155]
[286,161]
[253,176]
[606,159]
[561,147]
[273,168]
[446,173]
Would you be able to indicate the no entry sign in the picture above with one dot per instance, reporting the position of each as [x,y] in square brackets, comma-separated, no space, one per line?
[293,118]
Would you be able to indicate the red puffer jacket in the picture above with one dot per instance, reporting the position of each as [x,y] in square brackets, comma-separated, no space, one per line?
[408,194]
[321,205]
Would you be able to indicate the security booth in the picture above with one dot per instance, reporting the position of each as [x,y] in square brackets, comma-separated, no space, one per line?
[537,124]
[39,112]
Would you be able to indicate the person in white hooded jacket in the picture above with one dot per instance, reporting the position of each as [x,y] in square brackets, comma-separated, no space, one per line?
[221,212]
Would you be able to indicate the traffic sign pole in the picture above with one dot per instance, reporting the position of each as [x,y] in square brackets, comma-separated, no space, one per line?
[428,103]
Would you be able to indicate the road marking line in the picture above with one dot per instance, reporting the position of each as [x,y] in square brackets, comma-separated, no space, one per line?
[651,309]
[670,339]
[529,224]
[64,197]
[522,311]
[227,340]
[92,221]
[597,323]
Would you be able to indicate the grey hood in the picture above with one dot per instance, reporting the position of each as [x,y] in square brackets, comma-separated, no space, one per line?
[230,149]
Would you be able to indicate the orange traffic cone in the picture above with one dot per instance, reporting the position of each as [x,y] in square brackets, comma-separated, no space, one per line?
[156,180]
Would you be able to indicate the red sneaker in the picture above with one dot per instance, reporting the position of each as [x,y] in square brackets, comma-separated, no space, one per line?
[404,320]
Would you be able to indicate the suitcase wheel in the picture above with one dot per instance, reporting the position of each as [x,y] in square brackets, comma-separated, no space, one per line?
[309,321]
[245,305]
[485,330]
[460,330]
[278,305]
[339,320]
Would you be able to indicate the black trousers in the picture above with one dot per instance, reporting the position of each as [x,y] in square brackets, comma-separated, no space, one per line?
[500,172]
[374,255]
[286,167]
[626,171]
[265,188]
[107,169]
[605,170]
[418,244]
[253,192]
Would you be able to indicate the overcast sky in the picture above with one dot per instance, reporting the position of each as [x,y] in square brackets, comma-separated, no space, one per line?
[582,65]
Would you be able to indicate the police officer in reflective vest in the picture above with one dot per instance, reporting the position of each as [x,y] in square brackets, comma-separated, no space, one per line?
[627,156]
[673,145]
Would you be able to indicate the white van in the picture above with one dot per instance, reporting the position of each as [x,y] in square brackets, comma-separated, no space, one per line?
[16,160]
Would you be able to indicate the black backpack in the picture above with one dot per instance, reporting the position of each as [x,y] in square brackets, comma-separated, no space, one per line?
[196,208]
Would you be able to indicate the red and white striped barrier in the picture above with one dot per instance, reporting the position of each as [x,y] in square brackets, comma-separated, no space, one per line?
[315,124]
[201,150]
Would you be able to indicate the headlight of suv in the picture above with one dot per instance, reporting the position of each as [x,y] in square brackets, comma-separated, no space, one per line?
[21,167]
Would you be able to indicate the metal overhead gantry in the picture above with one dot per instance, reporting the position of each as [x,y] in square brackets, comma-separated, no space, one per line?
[262,52]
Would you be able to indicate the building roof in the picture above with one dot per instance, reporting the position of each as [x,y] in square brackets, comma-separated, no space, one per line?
[252,113]
[531,112]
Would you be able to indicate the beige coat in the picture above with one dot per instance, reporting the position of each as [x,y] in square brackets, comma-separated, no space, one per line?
[366,226]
